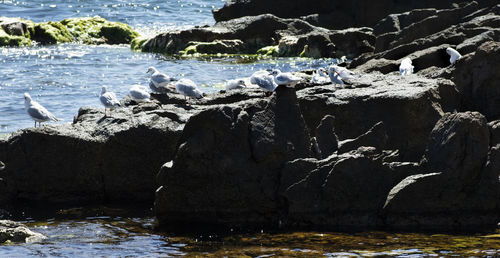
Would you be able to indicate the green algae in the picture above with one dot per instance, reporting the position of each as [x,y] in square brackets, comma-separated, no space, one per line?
[13,41]
[97,30]
[269,51]
[138,43]
[51,33]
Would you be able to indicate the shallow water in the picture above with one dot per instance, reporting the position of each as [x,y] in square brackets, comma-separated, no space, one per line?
[110,232]
[65,77]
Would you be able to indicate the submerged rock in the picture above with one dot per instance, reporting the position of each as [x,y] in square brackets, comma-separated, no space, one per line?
[95,30]
[11,231]
[92,30]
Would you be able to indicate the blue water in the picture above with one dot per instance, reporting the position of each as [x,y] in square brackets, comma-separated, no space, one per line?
[65,77]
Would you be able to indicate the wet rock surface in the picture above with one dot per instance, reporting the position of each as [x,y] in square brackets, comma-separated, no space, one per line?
[11,231]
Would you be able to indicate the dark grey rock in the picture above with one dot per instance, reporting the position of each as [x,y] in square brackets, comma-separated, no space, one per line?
[375,137]
[328,142]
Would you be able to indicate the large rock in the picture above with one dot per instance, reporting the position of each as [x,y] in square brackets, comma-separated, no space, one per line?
[226,169]
[249,34]
[464,191]
[409,108]
[424,35]
[94,159]
[11,231]
[477,78]
[335,15]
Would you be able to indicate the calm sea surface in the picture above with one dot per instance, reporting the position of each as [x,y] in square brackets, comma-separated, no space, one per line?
[66,77]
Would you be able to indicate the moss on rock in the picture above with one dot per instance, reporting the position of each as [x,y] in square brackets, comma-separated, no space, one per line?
[268,51]
[13,41]
[96,30]
[51,33]
[137,43]
[233,46]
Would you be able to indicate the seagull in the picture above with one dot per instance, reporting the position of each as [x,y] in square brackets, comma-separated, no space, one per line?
[454,55]
[108,99]
[235,84]
[286,79]
[264,80]
[159,81]
[343,72]
[334,76]
[405,68]
[36,111]
[188,88]
[139,93]
[320,76]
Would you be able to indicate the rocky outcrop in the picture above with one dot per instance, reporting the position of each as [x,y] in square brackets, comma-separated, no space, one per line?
[11,231]
[423,36]
[464,189]
[94,159]
[96,30]
[477,78]
[335,15]
[247,35]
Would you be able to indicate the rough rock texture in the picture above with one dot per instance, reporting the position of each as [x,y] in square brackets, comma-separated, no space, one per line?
[19,32]
[11,231]
[94,159]
[423,35]
[463,191]
[477,78]
[293,36]
[228,172]
[375,137]
[328,142]
[336,15]
[409,107]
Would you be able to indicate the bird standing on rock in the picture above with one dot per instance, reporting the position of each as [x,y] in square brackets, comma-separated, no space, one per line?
[159,82]
[343,72]
[320,76]
[188,88]
[139,93]
[454,55]
[334,76]
[36,111]
[405,68]
[264,80]
[108,99]
[286,79]
[235,84]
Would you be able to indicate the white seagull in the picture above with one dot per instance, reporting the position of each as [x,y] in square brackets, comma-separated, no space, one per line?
[405,68]
[235,84]
[334,76]
[454,55]
[286,79]
[188,88]
[159,81]
[320,76]
[36,111]
[139,93]
[264,80]
[108,99]
[343,72]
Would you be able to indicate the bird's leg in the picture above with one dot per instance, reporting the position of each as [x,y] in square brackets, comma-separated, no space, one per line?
[35,124]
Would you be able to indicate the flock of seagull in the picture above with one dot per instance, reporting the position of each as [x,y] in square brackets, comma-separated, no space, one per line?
[268,81]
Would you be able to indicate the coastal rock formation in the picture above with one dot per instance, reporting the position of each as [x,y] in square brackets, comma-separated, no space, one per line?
[248,35]
[11,231]
[94,159]
[463,188]
[423,35]
[335,15]
[95,30]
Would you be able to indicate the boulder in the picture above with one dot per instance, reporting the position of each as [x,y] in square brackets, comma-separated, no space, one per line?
[463,192]
[328,142]
[409,108]
[96,30]
[477,78]
[11,231]
[51,33]
[95,159]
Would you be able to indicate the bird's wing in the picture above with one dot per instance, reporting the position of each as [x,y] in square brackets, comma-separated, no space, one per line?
[160,79]
[37,111]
